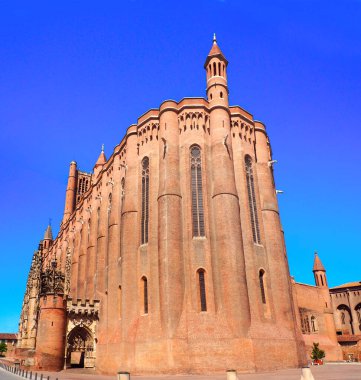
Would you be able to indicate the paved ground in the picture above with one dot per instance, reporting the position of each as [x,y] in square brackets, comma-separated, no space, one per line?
[326,372]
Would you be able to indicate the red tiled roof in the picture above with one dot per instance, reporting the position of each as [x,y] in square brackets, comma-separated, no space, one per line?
[8,336]
[348,285]
[348,338]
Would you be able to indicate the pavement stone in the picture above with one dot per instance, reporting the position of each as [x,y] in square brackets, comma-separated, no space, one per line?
[340,371]
[347,371]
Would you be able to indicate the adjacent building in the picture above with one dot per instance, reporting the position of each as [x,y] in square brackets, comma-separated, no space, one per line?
[10,339]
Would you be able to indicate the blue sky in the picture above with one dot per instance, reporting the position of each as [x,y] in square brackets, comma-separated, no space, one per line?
[74,75]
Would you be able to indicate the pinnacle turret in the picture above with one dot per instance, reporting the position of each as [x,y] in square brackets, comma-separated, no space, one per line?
[317,264]
[101,159]
[48,233]
[216,70]
[319,272]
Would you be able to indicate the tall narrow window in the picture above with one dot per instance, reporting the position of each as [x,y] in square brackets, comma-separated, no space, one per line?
[122,183]
[197,191]
[202,290]
[98,219]
[261,285]
[313,324]
[109,206]
[307,325]
[145,295]
[358,316]
[88,230]
[119,301]
[252,200]
[145,200]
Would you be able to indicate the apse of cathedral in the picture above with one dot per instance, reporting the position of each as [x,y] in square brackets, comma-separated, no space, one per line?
[171,258]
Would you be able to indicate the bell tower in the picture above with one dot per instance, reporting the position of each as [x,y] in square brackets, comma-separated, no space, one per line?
[319,272]
[225,202]
[216,68]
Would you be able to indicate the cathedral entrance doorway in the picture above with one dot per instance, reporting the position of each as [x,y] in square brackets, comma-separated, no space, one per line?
[80,348]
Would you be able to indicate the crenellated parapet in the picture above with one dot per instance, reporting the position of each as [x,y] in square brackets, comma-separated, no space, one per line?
[81,309]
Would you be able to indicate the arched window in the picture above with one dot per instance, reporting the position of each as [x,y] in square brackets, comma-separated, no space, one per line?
[197,191]
[252,200]
[145,295]
[202,290]
[219,68]
[109,206]
[313,324]
[145,200]
[343,318]
[214,69]
[261,285]
[307,322]
[122,184]
[98,219]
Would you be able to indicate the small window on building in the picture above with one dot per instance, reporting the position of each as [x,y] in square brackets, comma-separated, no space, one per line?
[202,290]
[314,324]
[261,285]
[145,295]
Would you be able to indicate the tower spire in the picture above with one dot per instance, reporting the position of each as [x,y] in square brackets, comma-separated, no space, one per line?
[100,162]
[48,233]
[216,69]
[319,272]
[317,264]
[101,159]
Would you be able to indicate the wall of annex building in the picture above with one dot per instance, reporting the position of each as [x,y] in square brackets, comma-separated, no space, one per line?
[311,307]
[347,310]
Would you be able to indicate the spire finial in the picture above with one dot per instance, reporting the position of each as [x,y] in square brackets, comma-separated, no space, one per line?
[214,38]
[102,147]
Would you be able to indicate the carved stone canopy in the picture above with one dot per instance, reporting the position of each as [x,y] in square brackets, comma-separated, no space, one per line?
[52,281]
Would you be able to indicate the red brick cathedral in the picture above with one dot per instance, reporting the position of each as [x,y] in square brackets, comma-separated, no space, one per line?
[170,257]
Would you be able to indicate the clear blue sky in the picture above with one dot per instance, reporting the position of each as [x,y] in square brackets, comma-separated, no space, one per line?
[74,75]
